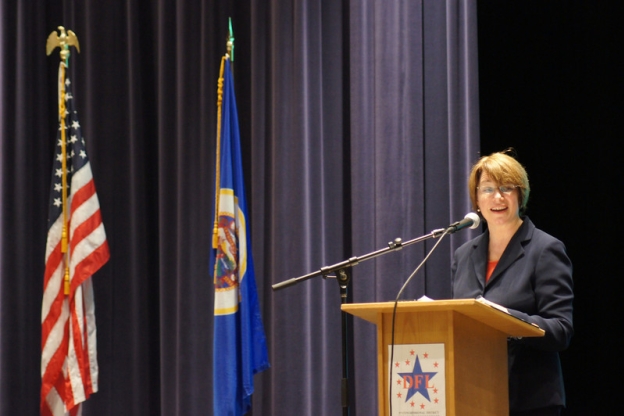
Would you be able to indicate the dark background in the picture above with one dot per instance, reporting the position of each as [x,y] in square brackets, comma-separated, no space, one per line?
[550,81]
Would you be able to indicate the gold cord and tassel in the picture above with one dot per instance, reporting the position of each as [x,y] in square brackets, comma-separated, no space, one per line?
[64,41]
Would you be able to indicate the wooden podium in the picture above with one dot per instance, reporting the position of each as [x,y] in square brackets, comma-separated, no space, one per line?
[475,348]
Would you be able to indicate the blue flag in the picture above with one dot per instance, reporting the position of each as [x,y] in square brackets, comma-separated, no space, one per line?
[239,343]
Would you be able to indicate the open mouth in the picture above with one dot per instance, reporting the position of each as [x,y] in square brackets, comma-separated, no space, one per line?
[498,209]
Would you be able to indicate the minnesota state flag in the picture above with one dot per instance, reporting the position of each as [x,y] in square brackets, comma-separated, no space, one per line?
[239,342]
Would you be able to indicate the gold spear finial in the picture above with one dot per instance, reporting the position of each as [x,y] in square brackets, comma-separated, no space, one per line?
[64,41]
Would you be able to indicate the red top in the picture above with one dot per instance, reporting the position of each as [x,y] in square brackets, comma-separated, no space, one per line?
[490,269]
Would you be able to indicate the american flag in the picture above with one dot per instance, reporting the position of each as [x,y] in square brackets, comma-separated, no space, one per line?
[69,369]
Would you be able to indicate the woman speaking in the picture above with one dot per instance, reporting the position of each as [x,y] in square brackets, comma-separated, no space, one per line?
[522,268]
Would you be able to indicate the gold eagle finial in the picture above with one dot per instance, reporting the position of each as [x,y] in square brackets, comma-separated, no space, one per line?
[64,41]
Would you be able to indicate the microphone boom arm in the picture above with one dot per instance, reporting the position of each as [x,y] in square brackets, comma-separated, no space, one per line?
[395,245]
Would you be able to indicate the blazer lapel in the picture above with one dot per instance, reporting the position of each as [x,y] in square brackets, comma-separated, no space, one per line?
[479,257]
[514,250]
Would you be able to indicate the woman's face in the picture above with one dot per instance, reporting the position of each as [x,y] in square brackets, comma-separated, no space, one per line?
[497,207]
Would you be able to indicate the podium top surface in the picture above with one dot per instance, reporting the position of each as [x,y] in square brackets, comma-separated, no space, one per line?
[488,315]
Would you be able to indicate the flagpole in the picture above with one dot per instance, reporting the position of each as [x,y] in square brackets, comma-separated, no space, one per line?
[215,230]
[64,233]
[229,54]
[64,41]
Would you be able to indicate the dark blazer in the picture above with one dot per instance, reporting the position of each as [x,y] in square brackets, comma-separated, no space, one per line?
[533,279]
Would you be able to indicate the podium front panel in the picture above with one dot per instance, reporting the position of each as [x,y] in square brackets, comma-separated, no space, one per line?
[475,359]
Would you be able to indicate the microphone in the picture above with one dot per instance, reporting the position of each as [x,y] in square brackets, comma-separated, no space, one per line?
[471,220]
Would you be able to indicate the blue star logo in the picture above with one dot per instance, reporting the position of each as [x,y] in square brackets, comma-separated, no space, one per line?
[417,381]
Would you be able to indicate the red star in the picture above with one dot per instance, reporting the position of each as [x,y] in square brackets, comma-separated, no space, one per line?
[435,365]
[412,403]
[426,355]
[407,362]
[396,365]
[436,400]
[422,405]
[399,395]
[399,381]
[435,390]
[412,352]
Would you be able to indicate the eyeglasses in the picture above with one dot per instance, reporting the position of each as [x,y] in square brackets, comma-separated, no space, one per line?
[489,190]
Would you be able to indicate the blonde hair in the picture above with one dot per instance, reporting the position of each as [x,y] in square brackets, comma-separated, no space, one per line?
[504,170]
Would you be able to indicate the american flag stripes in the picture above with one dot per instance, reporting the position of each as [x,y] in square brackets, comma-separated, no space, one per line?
[69,369]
